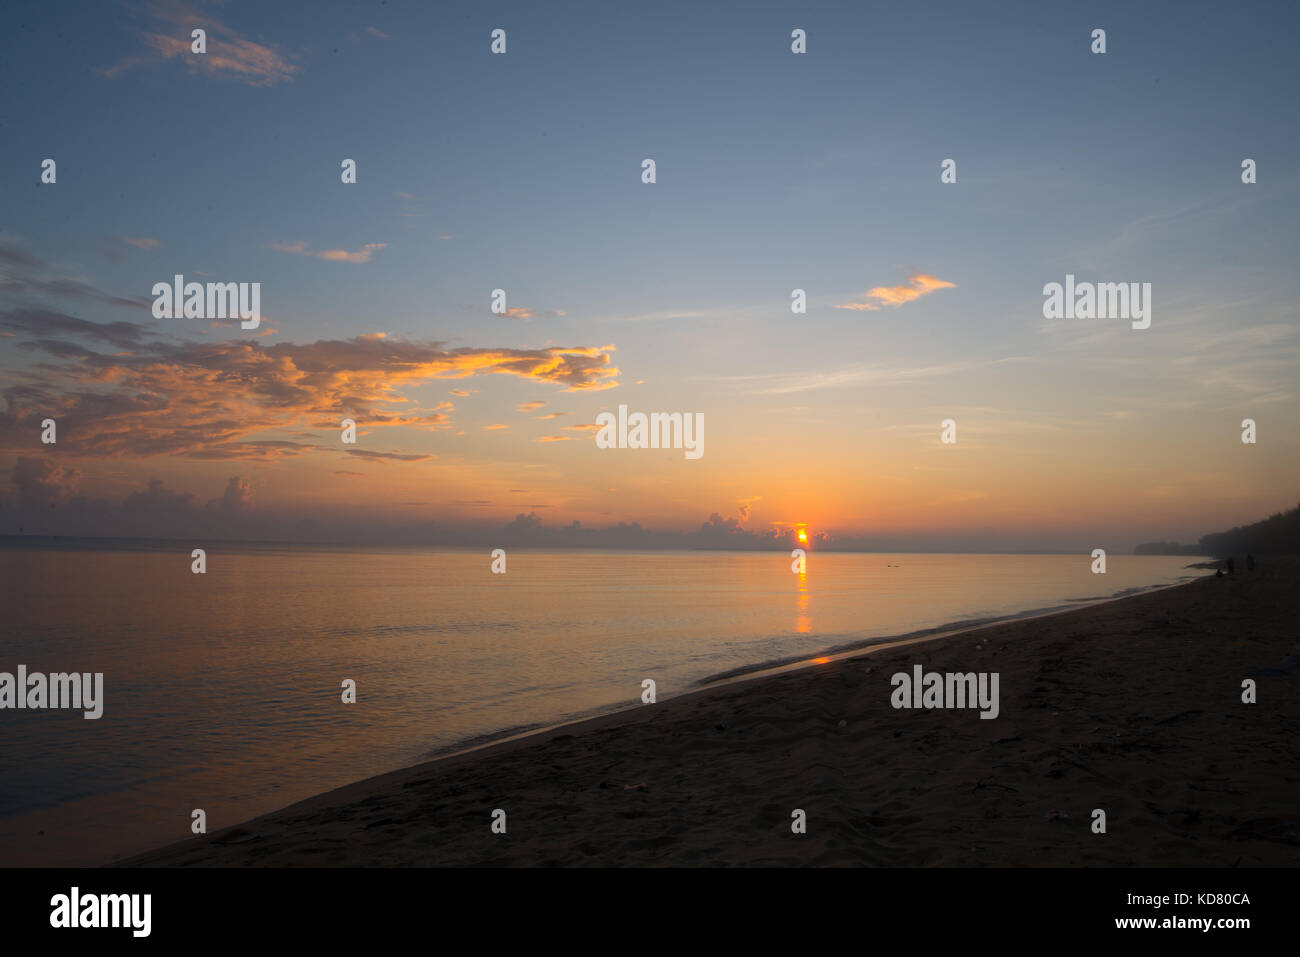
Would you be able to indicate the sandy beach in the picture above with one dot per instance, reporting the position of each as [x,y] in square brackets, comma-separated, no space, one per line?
[1132,706]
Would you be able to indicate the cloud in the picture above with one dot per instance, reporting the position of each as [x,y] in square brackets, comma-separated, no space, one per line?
[47,323]
[228,53]
[529,406]
[265,450]
[375,32]
[22,274]
[238,497]
[381,457]
[917,285]
[519,312]
[671,314]
[495,428]
[459,392]
[146,397]
[781,383]
[588,427]
[43,482]
[552,415]
[554,438]
[530,522]
[362,255]
[142,243]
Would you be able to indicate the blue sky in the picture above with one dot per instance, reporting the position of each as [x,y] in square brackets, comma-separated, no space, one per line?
[775,171]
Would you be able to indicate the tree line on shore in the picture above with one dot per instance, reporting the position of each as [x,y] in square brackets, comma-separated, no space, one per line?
[1276,535]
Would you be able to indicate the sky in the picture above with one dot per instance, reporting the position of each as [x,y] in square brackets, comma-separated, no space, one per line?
[774,171]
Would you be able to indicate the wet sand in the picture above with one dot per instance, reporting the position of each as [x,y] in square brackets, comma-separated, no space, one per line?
[1131,706]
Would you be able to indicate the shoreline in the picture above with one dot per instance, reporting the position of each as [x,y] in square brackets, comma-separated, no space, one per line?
[760,670]
[949,629]
[482,764]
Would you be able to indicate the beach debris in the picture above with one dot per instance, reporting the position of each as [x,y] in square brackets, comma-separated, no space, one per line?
[1055,815]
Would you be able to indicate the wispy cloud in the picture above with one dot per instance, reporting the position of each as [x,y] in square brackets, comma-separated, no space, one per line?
[228,53]
[22,274]
[917,285]
[782,383]
[362,255]
[527,312]
[390,456]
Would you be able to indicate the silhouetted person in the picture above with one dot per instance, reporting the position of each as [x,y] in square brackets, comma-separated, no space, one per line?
[1232,566]
[1250,563]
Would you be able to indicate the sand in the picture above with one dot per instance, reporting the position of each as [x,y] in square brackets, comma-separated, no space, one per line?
[1132,706]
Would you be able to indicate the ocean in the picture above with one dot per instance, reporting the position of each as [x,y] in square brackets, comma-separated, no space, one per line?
[222,691]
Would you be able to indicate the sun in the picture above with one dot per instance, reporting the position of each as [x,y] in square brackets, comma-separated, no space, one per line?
[803,534]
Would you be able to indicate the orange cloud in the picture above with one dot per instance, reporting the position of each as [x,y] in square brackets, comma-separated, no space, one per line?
[529,406]
[362,255]
[228,53]
[917,285]
[144,397]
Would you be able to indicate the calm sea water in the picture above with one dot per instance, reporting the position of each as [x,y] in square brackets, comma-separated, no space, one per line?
[222,691]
